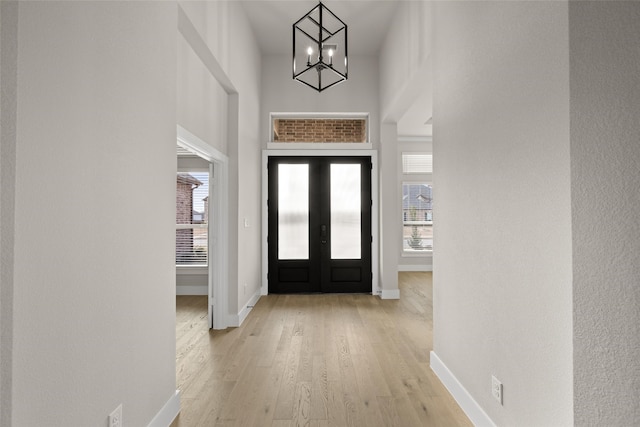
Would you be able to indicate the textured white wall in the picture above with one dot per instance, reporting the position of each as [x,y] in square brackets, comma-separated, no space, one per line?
[94,283]
[605,177]
[230,123]
[245,70]
[404,78]
[390,216]
[503,266]
[8,119]
[202,102]
[213,22]
[403,57]
[280,93]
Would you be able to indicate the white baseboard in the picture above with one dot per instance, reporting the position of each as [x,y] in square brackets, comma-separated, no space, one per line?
[168,413]
[236,320]
[425,267]
[192,290]
[390,294]
[470,407]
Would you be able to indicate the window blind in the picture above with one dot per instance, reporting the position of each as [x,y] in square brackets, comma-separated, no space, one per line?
[192,211]
[417,163]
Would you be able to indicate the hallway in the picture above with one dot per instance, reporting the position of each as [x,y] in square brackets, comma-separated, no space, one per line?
[316,360]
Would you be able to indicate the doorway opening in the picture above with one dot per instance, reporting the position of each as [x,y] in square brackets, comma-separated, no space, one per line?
[213,212]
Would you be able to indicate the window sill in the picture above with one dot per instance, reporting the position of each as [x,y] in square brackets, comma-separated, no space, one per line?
[192,269]
[417,254]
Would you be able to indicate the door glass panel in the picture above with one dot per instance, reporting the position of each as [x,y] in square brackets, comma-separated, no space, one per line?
[345,211]
[293,211]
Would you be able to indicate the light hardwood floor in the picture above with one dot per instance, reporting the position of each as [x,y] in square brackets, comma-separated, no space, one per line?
[315,360]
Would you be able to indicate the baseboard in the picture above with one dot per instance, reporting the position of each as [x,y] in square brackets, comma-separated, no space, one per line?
[236,320]
[168,413]
[470,407]
[390,294]
[425,267]
[192,290]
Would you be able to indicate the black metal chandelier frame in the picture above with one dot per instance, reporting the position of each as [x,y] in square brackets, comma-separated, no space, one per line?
[320,65]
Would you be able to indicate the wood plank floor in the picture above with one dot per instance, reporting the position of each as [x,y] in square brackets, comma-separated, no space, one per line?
[315,360]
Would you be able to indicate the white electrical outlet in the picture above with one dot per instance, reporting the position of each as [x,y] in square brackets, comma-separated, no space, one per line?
[115,418]
[496,389]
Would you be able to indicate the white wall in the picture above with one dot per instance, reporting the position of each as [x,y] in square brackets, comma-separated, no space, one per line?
[229,122]
[192,163]
[212,20]
[94,285]
[404,63]
[280,93]
[405,58]
[390,211]
[202,103]
[245,70]
[8,119]
[605,178]
[503,263]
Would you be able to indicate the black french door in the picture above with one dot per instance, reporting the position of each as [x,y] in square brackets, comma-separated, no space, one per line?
[319,235]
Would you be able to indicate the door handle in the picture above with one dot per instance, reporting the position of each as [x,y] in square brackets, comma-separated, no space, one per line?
[323,234]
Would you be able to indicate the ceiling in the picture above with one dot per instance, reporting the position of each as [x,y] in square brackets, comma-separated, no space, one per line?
[367,22]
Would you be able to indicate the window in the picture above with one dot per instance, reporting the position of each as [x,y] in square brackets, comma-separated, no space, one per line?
[319,128]
[417,163]
[417,198]
[192,212]
[417,214]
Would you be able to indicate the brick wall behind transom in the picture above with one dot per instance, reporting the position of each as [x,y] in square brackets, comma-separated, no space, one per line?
[319,130]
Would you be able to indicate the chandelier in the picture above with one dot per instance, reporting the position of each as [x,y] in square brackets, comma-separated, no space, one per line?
[320,49]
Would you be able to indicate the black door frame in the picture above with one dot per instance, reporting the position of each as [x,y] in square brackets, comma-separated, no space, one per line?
[326,152]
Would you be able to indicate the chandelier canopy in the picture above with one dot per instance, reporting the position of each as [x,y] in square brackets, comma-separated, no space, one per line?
[320,49]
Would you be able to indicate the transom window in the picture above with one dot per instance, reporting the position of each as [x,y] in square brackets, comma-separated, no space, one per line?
[319,128]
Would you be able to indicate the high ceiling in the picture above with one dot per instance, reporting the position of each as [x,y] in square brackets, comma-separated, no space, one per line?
[367,22]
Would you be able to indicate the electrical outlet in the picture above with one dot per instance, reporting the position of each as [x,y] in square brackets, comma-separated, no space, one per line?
[496,389]
[115,418]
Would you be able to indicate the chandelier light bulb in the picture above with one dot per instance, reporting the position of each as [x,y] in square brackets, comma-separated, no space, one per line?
[309,52]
